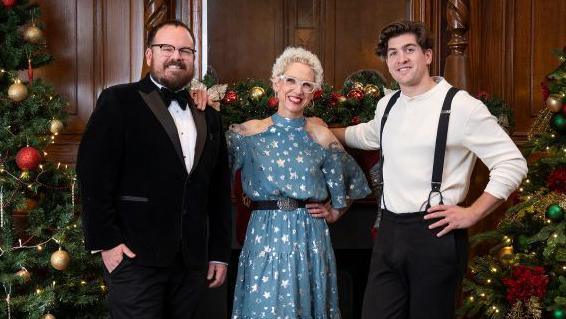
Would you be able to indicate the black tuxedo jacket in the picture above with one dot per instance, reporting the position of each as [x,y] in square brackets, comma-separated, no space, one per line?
[136,190]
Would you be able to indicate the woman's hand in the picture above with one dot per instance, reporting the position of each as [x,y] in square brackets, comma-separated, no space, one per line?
[318,210]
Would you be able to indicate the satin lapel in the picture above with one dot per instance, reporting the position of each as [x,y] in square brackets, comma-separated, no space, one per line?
[200,123]
[156,105]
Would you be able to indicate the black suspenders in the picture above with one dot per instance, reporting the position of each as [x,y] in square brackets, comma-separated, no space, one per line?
[439,149]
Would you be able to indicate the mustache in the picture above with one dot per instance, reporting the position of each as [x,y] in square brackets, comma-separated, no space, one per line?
[180,64]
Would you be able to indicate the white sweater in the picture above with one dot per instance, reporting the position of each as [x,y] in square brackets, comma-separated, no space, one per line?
[409,139]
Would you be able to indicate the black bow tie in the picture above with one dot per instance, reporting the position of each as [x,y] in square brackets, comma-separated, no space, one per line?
[182,97]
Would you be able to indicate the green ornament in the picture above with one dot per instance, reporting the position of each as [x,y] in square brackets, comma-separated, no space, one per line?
[558,314]
[558,122]
[555,213]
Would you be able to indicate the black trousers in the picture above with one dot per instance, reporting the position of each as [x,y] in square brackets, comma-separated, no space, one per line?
[413,273]
[141,292]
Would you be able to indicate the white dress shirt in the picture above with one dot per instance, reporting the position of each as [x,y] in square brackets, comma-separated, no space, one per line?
[409,137]
[185,128]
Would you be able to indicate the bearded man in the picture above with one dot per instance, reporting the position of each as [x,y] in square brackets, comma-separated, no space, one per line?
[145,166]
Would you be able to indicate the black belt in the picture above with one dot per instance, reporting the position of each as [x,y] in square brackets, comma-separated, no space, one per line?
[282,204]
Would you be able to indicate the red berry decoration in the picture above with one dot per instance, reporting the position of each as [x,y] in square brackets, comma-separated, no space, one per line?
[273,102]
[8,3]
[28,158]
[336,99]
[356,120]
[556,180]
[356,94]
[230,97]
[317,95]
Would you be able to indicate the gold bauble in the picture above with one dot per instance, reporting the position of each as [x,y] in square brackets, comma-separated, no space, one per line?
[33,34]
[24,274]
[60,259]
[506,255]
[17,92]
[372,90]
[256,93]
[48,316]
[55,126]
[554,103]
[357,85]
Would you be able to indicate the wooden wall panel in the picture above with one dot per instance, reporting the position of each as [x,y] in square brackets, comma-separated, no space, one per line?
[96,44]
[358,23]
[511,44]
[342,33]
[243,45]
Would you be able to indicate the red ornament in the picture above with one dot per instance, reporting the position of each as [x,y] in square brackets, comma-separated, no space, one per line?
[564,109]
[273,102]
[556,181]
[525,282]
[8,3]
[317,95]
[30,71]
[230,97]
[336,98]
[28,158]
[356,94]
[356,120]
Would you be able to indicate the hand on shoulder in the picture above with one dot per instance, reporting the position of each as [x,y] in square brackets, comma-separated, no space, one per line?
[323,135]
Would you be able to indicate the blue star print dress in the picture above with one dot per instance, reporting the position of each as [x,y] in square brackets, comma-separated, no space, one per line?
[287,267]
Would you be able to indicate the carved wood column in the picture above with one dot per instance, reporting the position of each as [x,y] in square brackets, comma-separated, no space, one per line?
[187,11]
[456,70]
[155,12]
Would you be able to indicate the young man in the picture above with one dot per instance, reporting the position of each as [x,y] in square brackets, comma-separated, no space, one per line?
[146,164]
[419,257]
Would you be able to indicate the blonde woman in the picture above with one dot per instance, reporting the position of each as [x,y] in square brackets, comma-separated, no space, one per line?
[299,179]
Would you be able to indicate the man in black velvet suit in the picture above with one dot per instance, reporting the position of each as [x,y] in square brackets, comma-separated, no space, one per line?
[155,187]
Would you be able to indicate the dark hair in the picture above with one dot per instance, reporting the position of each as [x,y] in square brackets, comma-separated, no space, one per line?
[175,23]
[398,28]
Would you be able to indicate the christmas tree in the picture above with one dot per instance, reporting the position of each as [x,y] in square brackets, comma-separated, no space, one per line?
[524,275]
[45,271]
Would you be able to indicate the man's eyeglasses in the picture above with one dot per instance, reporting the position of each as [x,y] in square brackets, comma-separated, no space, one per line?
[293,82]
[167,50]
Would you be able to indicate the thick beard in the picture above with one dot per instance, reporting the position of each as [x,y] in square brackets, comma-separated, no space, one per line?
[176,83]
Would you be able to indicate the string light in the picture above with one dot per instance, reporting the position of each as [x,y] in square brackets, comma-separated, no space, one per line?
[488,281]
[493,269]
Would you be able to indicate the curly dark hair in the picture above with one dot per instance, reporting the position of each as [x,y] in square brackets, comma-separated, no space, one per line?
[175,23]
[394,29]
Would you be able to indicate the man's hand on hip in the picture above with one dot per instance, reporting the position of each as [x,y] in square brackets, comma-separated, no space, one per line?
[113,257]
